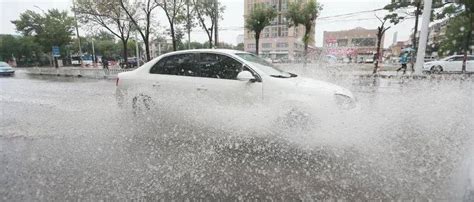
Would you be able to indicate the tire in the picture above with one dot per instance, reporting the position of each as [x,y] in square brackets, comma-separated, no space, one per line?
[141,104]
[295,119]
[436,69]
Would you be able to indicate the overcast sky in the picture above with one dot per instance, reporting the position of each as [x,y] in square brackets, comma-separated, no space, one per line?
[233,17]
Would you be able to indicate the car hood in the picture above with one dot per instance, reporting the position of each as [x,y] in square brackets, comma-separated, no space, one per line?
[312,84]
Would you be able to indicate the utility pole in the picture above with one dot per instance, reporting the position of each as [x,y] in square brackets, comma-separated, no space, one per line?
[216,18]
[188,24]
[77,29]
[420,56]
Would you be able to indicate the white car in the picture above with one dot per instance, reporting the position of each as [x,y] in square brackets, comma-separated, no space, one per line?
[224,78]
[449,64]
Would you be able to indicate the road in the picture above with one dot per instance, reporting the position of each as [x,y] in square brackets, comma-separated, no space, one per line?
[65,139]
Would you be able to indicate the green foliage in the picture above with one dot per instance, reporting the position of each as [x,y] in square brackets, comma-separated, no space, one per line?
[53,28]
[304,13]
[459,30]
[24,48]
[260,17]
[205,11]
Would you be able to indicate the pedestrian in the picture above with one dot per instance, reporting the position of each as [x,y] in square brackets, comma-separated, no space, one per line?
[105,62]
[404,58]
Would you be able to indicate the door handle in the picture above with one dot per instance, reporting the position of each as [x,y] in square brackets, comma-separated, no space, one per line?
[201,89]
[156,85]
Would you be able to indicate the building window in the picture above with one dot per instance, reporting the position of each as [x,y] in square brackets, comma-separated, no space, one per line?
[284,31]
[282,45]
[342,42]
[250,45]
[266,45]
[364,41]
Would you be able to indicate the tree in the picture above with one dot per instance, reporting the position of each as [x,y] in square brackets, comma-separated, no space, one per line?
[461,24]
[258,19]
[305,14]
[142,19]
[174,11]
[398,7]
[23,48]
[52,28]
[381,32]
[207,11]
[109,15]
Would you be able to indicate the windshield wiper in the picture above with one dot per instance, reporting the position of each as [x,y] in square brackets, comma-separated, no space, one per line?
[279,76]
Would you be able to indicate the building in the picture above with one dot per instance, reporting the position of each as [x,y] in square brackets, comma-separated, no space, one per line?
[277,40]
[354,45]
[240,39]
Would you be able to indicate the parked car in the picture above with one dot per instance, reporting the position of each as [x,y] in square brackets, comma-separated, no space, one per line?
[449,64]
[227,78]
[5,69]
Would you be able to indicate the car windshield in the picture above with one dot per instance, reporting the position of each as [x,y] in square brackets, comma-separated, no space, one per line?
[265,66]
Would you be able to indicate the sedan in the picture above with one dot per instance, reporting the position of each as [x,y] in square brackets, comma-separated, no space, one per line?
[450,64]
[219,78]
[5,69]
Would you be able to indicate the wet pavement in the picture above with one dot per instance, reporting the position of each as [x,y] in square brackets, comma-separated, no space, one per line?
[65,139]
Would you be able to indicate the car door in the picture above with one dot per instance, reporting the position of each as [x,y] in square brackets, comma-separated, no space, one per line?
[173,79]
[470,64]
[218,82]
[453,64]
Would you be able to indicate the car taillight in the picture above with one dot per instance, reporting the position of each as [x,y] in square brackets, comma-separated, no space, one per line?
[116,82]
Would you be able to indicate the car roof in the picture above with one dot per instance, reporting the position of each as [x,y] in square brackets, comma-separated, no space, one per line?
[228,51]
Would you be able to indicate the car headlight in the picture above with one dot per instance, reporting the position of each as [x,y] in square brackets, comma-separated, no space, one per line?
[344,101]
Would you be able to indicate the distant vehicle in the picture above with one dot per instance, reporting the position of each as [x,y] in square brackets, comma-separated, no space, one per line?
[5,69]
[85,60]
[131,61]
[330,59]
[369,60]
[228,78]
[76,61]
[429,59]
[449,64]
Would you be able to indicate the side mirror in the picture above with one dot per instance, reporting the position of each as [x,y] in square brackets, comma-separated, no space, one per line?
[245,76]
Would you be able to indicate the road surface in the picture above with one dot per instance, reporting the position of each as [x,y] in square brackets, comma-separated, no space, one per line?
[65,139]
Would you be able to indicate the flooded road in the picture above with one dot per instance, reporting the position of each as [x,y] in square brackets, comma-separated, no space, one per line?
[66,139]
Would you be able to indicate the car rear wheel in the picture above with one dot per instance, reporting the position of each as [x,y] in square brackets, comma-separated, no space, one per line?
[436,69]
[141,104]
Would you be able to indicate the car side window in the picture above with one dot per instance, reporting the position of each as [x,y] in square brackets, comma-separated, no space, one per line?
[180,64]
[458,58]
[218,66]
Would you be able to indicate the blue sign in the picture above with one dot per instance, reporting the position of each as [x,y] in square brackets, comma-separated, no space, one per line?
[56,51]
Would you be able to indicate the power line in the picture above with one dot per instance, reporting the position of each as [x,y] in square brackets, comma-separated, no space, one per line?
[349,14]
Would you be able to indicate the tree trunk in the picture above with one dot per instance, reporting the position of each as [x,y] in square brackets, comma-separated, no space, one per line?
[468,39]
[415,31]
[173,38]
[257,39]
[210,40]
[125,52]
[147,50]
[379,40]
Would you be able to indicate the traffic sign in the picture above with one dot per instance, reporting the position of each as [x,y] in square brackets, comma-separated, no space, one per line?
[56,51]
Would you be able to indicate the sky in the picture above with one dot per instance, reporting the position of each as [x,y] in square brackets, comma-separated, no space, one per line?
[233,21]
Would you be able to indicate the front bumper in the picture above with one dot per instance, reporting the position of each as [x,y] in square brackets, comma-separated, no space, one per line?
[7,73]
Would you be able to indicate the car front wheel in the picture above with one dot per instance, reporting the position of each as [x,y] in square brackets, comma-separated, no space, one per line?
[436,69]
[141,104]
